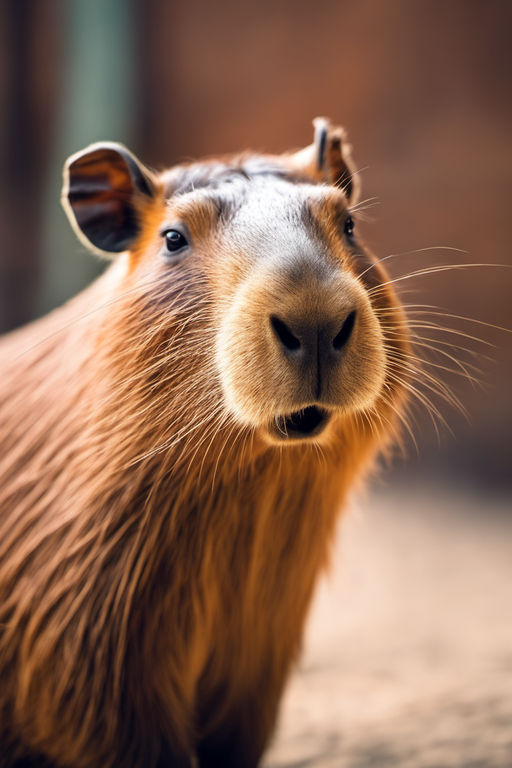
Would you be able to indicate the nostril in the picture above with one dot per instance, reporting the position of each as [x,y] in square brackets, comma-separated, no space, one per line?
[283,333]
[346,329]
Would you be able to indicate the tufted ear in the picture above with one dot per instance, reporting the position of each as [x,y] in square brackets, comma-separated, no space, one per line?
[104,187]
[328,159]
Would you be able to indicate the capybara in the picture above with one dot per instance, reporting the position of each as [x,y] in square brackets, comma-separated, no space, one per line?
[177,444]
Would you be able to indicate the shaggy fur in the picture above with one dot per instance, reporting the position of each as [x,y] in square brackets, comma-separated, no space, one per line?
[158,547]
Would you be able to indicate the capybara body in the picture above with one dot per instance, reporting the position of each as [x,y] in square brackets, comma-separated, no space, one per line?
[177,442]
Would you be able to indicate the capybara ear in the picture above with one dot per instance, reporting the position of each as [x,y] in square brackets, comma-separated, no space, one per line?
[328,159]
[104,187]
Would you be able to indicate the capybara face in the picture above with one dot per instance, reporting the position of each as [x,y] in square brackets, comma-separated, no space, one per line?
[295,330]
[293,306]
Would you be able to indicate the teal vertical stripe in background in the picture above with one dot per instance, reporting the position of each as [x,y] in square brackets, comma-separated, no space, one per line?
[97,84]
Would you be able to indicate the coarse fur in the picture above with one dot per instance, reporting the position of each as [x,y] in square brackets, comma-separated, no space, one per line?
[160,538]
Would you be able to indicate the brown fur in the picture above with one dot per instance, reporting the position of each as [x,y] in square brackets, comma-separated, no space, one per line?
[158,550]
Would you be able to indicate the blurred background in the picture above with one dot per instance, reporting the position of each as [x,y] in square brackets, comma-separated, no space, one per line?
[423,89]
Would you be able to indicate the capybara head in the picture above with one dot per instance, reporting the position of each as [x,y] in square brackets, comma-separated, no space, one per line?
[256,261]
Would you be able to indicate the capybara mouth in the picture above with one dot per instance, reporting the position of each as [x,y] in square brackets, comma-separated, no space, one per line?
[307,422]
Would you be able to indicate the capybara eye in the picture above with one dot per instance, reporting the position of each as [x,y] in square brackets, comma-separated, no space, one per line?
[175,241]
[349,227]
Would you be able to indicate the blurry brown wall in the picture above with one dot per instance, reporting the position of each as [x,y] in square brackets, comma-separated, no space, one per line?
[424,91]
[28,94]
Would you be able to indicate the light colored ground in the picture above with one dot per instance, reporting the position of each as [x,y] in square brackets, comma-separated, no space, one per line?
[408,655]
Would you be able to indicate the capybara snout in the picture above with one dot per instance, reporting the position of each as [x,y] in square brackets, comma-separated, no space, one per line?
[299,330]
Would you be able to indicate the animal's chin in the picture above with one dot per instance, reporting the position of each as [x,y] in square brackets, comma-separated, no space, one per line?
[300,425]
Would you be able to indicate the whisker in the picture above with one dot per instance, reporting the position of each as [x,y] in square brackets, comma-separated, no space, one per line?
[432,271]
[410,253]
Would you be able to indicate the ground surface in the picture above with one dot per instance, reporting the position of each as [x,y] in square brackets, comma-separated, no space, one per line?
[408,655]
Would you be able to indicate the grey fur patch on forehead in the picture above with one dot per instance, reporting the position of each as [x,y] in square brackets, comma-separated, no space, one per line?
[212,175]
[260,186]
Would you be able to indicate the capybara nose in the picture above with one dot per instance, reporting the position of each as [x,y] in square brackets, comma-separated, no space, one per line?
[289,341]
[313,343]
